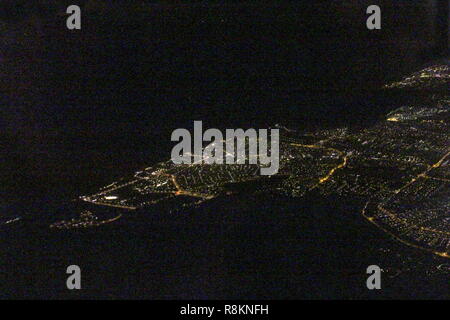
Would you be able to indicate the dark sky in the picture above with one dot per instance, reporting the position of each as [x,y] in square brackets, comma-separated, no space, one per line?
[208,54]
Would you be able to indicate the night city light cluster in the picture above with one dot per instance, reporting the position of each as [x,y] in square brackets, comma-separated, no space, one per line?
[431,77]
[399,169]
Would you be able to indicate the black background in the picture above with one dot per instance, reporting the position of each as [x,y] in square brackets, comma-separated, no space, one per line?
[82,108]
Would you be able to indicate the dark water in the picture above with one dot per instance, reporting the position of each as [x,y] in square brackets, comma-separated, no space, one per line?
[240,247]
[82,110]
[247,247]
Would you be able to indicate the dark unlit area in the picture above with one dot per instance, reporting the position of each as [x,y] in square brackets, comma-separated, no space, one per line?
[83,108]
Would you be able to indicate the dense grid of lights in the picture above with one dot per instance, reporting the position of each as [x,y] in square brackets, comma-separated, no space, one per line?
[400,168]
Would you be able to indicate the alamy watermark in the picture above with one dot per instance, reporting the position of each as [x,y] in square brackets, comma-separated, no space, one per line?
[230,148]
[374,280]
[73,21]
[74,280]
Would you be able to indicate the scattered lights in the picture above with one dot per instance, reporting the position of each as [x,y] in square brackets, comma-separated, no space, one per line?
[407,185]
